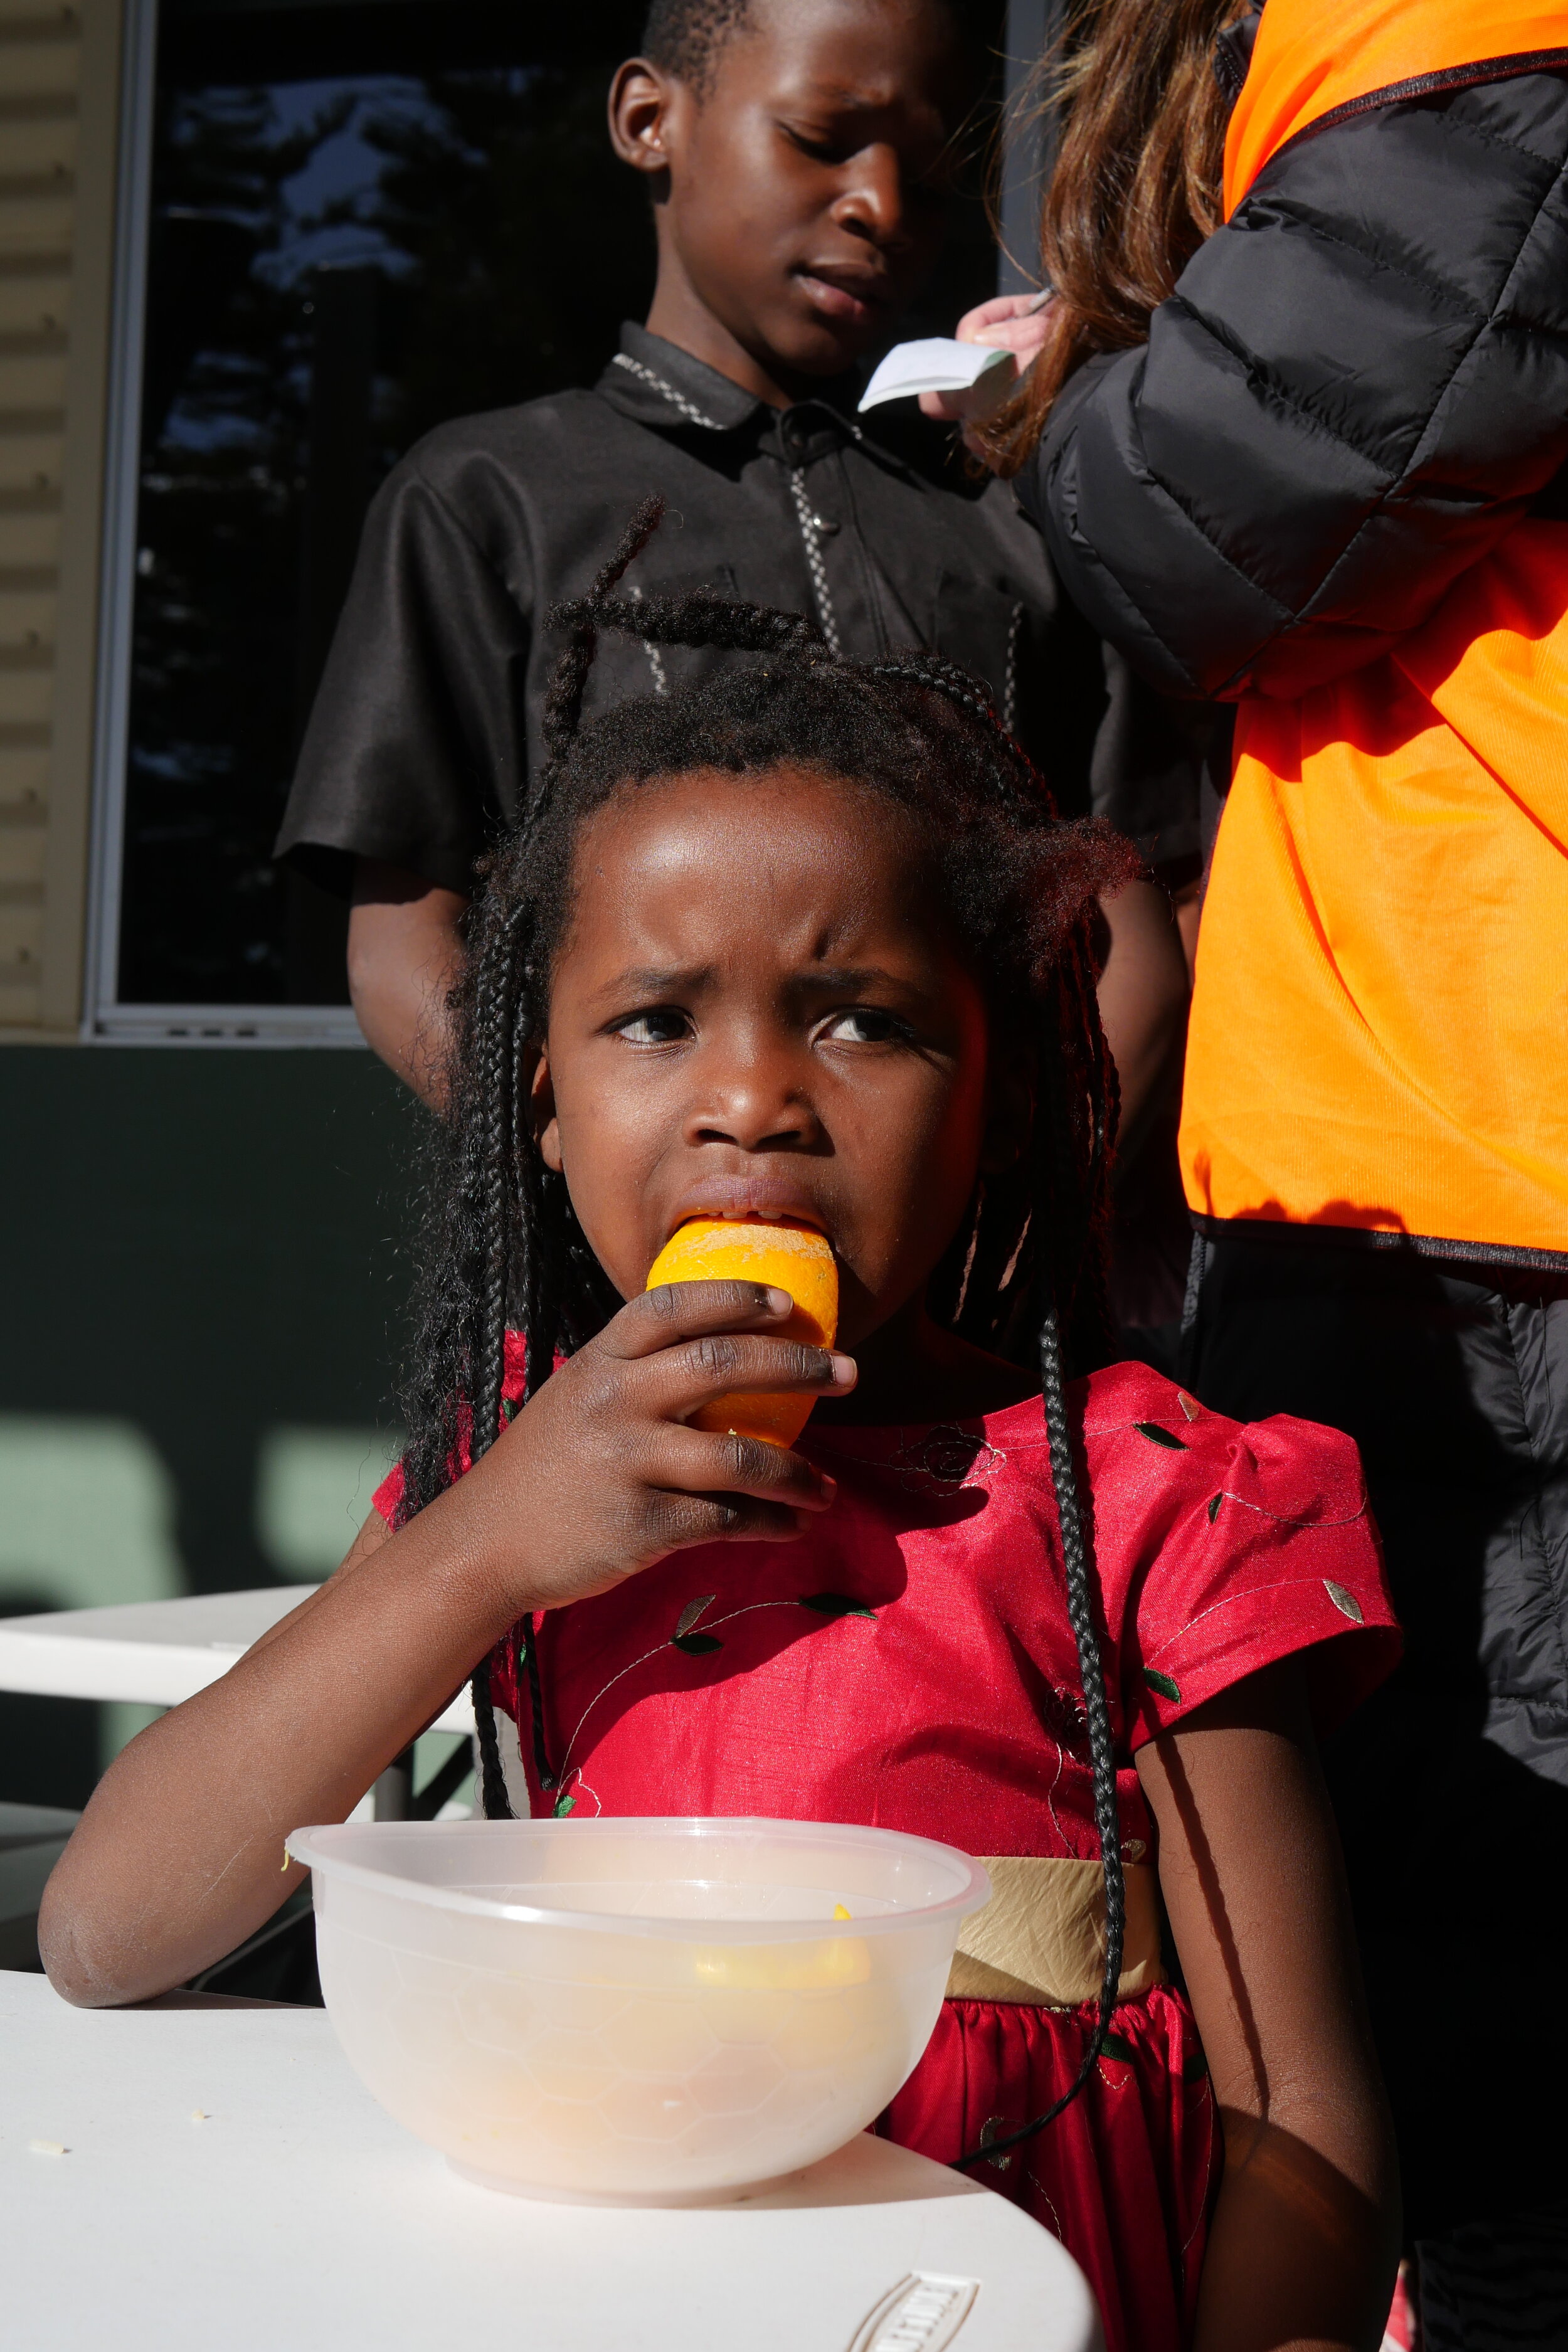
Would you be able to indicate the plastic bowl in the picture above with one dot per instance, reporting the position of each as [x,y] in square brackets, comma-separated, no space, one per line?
[634,2010]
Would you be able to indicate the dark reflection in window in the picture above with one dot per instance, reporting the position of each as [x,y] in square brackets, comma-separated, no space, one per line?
[367,217]
[365,220]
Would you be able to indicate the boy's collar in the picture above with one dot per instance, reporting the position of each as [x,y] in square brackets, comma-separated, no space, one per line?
[661,385]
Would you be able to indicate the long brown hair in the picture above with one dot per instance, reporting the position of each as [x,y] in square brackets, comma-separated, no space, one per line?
[1131,88]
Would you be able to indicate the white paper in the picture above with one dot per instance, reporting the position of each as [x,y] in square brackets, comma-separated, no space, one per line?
[937,364]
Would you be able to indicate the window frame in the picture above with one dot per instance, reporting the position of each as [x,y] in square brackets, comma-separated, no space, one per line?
[105,1019]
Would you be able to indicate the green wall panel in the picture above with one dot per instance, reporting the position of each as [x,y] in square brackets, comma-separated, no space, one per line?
[202,1282]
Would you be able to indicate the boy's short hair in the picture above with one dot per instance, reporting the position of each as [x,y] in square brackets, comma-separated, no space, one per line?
[682,36]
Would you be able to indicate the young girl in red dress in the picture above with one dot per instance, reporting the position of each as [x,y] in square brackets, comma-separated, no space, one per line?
[806,942]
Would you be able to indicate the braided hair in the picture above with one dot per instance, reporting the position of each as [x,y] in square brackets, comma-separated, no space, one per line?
[1024,1277]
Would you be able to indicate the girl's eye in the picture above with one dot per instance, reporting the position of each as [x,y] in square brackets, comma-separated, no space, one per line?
[660,1026]
[866,1024]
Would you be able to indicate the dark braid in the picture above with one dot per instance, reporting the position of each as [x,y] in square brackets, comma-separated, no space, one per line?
[703,618]
[1024,1276]
[562,712]
[494,1204]
[498,1161]
[1077,1563]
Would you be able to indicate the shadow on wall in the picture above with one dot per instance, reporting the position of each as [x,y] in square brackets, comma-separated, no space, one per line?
[199,1257]
[88,1514]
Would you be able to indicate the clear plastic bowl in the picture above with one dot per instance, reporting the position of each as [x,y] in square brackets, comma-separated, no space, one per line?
[636,2011]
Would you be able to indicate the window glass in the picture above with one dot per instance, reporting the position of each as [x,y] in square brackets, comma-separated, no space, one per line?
[365,219]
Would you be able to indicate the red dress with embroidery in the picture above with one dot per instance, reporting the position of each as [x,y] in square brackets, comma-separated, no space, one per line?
[909,1664]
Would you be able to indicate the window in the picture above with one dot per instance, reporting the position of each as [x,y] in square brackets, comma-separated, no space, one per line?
[342,224]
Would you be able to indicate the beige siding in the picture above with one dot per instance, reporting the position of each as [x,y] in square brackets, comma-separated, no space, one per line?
[59,119]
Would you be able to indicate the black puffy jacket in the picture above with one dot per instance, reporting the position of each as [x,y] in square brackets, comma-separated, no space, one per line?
[1359,385]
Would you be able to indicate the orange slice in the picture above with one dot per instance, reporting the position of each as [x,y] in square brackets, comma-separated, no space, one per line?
[789,1257]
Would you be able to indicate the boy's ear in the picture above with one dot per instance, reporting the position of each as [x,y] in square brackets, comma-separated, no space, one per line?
[642,99]
[1009,1111]
[542,1118]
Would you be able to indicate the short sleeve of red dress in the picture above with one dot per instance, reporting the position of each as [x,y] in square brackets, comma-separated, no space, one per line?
[1219,1549]
[388,1495]
[1223,1548]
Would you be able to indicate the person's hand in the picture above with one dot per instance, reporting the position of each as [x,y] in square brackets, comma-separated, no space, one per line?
[598,1475]
[1008,322]
[596,1478]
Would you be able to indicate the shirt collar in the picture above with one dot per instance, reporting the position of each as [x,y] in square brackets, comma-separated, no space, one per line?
[663,386]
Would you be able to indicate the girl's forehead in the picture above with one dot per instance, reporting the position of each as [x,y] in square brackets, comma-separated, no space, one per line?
[787,806]
[779,852]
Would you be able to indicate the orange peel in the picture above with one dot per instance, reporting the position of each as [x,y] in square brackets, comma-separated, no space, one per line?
[793,1258]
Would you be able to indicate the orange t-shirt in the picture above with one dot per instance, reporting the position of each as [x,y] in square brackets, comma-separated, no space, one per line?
[1380,1026]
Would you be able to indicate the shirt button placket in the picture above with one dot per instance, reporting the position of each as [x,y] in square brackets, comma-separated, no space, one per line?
[814,528]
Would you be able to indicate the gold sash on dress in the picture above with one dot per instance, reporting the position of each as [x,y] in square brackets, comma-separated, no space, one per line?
[1041,1937]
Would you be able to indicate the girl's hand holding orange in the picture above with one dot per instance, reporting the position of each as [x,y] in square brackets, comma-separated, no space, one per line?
[794,1257]
[603,1473]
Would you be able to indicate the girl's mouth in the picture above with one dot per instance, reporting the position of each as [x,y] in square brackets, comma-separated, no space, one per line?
[741,1199]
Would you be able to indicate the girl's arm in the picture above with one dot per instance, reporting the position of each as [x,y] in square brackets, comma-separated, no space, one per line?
[179,1856]
[1305,2241]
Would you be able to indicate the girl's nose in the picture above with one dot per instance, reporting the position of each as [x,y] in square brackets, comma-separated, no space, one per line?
[756,1110]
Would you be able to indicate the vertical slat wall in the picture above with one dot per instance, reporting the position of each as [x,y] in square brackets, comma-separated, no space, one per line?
[58,109]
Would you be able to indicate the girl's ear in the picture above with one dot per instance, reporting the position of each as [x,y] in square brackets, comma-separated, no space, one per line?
[542,1118]
[1009,1111]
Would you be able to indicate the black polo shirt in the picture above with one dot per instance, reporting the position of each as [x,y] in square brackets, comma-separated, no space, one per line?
[427,724]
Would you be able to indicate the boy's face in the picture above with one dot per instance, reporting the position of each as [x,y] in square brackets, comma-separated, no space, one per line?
[754,1011]
[800,196]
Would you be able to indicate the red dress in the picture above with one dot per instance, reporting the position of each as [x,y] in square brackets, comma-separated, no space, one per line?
[909,1664]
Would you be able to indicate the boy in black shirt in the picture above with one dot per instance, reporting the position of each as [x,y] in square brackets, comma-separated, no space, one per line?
[794,150]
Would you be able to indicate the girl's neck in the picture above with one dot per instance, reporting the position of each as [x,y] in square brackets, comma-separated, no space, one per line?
[913,1370]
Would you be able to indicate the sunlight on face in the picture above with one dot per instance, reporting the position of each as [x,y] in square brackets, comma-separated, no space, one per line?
[808,188]
[757,1009]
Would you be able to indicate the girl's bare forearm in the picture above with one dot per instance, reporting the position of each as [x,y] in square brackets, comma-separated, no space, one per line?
[179,1855]
[1305,2239]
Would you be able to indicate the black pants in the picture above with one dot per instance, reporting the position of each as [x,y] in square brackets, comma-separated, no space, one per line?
[1451,1783]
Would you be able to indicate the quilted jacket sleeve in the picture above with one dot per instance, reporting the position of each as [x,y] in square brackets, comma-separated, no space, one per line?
[1359,385]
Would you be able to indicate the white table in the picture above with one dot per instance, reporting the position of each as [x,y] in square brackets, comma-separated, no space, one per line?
[298,2215]
[160,1651]
[156,1652]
